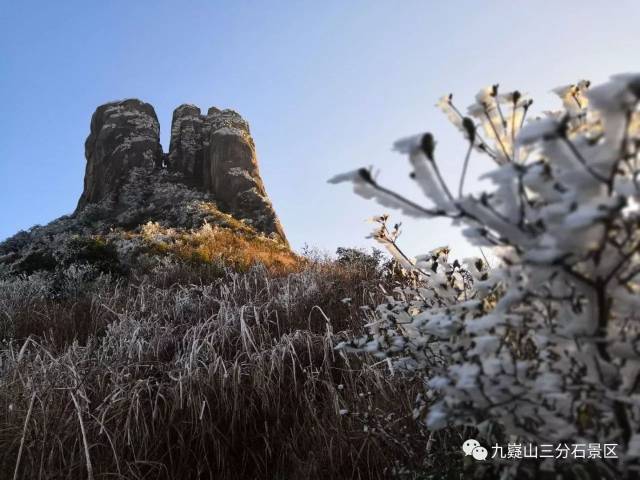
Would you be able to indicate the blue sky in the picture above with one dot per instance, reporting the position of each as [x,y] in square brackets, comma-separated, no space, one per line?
[326,86]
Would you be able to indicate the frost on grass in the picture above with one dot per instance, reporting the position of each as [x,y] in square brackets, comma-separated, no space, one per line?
[182,368]
[542,346]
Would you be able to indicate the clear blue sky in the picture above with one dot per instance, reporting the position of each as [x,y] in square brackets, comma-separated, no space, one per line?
[326,86]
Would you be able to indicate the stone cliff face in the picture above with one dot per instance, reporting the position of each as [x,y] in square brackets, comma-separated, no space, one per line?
[213,156]
[124,135]
[216,154]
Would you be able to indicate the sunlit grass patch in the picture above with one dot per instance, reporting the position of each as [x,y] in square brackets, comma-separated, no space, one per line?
[240,248]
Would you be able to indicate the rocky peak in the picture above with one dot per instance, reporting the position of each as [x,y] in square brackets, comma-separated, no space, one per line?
[191,136]
[212,155]
[123,135]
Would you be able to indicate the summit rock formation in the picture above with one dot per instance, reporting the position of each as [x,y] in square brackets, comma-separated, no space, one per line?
[210,154]
[209,177]
[216,154]
[124,135]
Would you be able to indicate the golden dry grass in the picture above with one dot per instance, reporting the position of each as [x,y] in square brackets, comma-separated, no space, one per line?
[238,246]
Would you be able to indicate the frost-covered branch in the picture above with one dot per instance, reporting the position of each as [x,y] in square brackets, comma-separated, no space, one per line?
[545,346]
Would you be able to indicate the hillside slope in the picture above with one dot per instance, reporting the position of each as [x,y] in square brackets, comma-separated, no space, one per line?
[166,330]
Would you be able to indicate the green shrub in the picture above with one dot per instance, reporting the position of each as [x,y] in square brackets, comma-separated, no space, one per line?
[95,251]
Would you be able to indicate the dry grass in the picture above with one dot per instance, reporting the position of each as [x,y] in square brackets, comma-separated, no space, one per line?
[184,373]
[237,246]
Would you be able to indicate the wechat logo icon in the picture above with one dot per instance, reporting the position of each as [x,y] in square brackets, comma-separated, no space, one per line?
[472,447]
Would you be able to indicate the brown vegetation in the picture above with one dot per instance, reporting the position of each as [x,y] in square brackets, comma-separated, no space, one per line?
[194,370]
[239,247]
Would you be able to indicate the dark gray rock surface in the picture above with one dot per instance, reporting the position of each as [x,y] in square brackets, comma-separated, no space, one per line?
[216,154]
[212,154]
[124,135]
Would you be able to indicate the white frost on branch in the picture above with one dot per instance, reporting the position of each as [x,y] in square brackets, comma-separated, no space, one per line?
[545,344]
